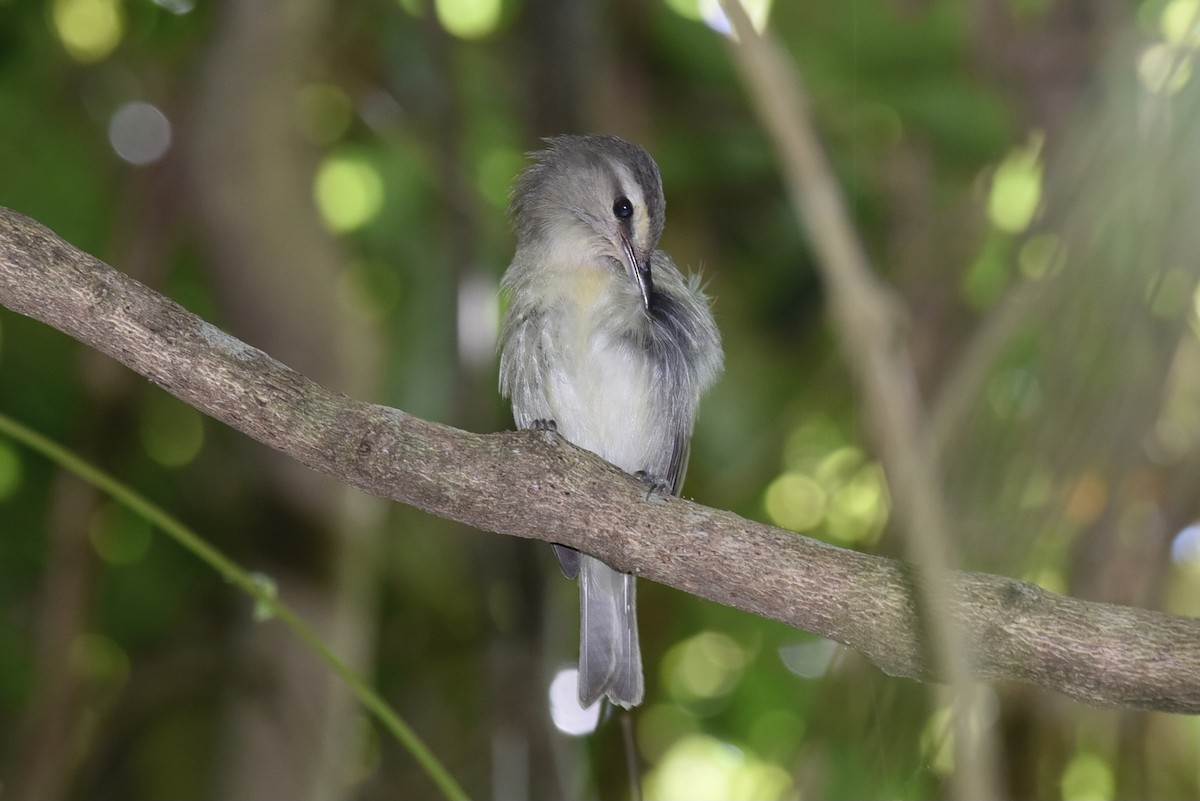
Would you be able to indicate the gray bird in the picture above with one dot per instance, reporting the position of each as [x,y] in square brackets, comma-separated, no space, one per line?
[605,341]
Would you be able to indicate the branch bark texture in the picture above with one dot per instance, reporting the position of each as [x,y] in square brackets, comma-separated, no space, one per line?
[536,485]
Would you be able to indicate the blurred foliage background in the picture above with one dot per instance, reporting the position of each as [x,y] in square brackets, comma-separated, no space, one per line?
[328,183]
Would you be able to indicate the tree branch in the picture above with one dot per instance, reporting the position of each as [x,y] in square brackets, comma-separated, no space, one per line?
[536,485]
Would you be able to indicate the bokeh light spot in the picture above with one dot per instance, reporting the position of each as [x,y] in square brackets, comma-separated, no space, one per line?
[1017,189]
[118,536]
[348,192]
[1087,778]
[1185,548]
[810,659]
[858,503]
[468,19]
[565,712]
[838,466]
[478,319]
[795,501]
[759,11]
[1180,23]
[89,30]
[1162,70]
[702,768]
[323,113]
[171,431]
[705,666]
[139,133]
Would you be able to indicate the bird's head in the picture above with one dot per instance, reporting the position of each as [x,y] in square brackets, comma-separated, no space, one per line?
[597,198]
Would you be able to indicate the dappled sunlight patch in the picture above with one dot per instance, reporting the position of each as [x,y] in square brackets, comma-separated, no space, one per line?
[703,768]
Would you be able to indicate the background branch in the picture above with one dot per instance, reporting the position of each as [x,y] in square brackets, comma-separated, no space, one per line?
[870,322]
[538,486]
[272,267]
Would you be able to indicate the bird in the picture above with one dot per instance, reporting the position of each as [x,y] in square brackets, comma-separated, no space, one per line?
[605,341]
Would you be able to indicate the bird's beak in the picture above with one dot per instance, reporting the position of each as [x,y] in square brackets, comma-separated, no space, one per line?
[639,271]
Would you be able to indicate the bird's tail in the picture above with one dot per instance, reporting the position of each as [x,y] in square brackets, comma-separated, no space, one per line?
[610,661]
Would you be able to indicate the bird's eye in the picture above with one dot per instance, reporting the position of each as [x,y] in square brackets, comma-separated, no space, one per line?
[623,208]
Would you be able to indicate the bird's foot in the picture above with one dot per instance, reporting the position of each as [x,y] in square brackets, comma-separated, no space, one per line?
[654,484]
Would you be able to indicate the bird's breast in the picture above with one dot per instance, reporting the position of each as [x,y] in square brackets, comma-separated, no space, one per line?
[588,287]
[602,393]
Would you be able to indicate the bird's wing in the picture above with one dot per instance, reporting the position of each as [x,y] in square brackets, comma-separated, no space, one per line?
[568,560]
[681,449]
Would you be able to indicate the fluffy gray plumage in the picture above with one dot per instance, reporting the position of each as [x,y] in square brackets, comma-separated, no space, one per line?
[606,338]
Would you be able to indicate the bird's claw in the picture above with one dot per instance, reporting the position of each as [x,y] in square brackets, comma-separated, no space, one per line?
[654,484]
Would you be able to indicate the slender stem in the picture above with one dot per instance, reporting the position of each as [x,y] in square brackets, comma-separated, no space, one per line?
[261,591]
